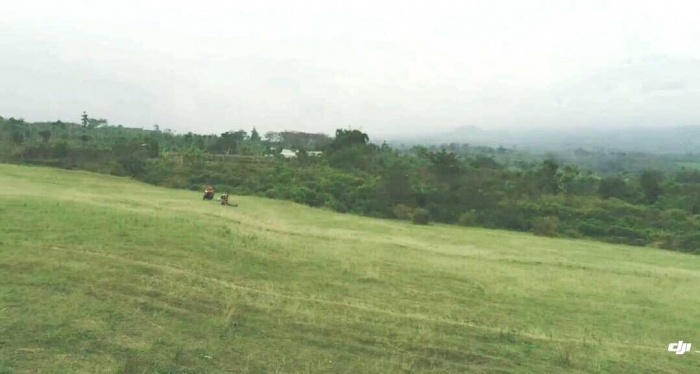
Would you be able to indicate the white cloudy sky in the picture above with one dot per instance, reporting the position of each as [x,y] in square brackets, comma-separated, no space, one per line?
[382,66]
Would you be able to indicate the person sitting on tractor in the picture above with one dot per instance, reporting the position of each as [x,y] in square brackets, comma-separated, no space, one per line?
[208,193]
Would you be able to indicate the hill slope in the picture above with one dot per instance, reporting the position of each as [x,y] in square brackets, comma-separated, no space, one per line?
[106,275]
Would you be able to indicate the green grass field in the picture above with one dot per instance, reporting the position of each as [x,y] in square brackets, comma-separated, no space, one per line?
[106,275]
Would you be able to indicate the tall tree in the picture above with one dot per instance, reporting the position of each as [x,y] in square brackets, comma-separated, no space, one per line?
[445,165]
[226,143]
[45,135]
[17,137]
[94,123]
[85,139]
[19,131]
[395,186]
[348,138]
[650,183]
[548,181]
[273,137]
[254,136]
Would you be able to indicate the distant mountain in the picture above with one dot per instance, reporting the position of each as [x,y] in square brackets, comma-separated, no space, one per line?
[674,140]
[635,96]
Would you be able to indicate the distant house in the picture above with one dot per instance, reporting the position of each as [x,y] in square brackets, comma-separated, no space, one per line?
[286,153]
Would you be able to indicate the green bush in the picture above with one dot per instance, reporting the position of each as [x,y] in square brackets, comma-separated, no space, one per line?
[593,229]
[626,232]
[272,193]
[467,218]
[336,205]
[222,188]
[572,233]
[117,169]
[174,182]
[677,214]
[134,166]
[241,191]
[60,150]
[665,240]
[299,195]
[403,212]
[545,226]
[421,216]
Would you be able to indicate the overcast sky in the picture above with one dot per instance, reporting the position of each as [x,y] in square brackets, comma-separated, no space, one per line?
[381,66]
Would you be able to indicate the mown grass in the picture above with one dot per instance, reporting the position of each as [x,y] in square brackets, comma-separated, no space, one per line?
[105,275]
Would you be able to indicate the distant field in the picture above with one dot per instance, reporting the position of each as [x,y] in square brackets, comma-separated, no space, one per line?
[105,275]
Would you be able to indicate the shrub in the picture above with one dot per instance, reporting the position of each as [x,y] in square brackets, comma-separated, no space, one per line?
[222,188]
[299,195]
[313,198]
[545,226]
[402,211]
[336,205]
[60,150]
[593,229]
[467,218]
[626,232]
[421,216]
[174,182]
[133,166]
[117,169]
[677,214]
[572,233]
[663,239]
[272,193]
[241,191]
[509,218]
[689,242]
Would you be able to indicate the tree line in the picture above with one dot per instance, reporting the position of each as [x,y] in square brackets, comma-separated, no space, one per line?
[453,184]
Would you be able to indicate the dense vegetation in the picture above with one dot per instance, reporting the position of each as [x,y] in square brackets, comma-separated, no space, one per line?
[458,184]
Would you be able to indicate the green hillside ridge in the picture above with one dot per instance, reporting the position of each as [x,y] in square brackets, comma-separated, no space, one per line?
[616,197]
[102,274]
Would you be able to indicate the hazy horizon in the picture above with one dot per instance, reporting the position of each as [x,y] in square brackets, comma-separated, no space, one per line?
[384,67]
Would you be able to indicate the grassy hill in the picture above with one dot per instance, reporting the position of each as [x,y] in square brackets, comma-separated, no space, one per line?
[101,274]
